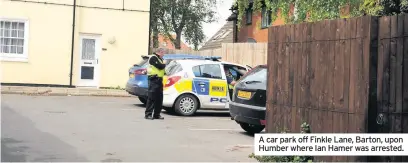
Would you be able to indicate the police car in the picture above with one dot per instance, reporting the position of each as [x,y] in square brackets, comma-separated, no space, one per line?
[190,85]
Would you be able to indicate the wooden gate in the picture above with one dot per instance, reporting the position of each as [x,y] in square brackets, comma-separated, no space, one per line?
[392,92]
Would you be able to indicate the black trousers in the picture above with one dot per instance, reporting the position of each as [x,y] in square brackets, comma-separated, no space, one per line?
[154,102]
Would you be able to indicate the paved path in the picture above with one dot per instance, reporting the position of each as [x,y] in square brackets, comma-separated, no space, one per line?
[59,91]
[81,128]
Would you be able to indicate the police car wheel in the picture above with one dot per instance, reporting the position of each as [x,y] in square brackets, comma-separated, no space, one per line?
[186,105]
[169,109]
[143,100]
[251,129]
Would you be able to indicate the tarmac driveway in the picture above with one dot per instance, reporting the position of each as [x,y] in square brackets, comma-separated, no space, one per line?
[79,128]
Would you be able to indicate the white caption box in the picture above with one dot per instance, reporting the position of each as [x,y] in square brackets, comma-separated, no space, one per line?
[331,144]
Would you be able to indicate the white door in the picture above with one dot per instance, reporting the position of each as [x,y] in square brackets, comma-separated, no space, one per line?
[89,53]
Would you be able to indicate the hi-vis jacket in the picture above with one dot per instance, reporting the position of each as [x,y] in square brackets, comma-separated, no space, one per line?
[156,66]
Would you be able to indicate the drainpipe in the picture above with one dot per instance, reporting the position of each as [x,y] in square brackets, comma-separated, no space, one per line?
[150,29]
[72,45]
[235,31]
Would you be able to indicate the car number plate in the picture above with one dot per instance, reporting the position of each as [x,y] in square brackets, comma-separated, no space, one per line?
[244,94]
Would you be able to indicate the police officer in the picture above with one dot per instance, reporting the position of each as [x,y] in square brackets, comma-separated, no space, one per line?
[155,73]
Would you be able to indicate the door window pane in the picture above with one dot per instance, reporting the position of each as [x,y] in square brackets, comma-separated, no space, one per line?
[88,49]
[208,71]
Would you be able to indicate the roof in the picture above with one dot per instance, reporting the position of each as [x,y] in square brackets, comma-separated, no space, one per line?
[224,35]
[166,43]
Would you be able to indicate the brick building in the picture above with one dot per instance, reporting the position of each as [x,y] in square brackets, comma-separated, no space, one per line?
[254,25]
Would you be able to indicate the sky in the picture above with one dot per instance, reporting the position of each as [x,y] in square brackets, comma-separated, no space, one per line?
[223,13]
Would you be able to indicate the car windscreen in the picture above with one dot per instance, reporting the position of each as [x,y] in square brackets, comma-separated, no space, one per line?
[257,75]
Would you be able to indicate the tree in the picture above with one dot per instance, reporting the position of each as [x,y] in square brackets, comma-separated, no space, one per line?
[315,10]
[384,7]
[182,18]
[156,12]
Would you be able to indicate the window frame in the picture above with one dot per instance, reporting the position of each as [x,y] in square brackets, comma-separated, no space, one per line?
[231,67]
[248,14]
[17,57]
[266,19]
[201,72]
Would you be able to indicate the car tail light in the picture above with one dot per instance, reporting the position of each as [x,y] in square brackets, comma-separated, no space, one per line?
[172,80]
[263,122]
[141,72]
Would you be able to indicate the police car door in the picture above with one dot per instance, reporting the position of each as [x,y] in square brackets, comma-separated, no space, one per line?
[209,84]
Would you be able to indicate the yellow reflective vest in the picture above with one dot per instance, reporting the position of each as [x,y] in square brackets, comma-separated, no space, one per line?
[151,70]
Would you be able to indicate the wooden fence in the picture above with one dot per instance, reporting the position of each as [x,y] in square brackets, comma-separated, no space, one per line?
[177,51]
[251,54]
[336,76]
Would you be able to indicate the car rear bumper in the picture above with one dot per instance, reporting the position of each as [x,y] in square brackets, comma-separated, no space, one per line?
[247,114]
[135,90]
[169,97]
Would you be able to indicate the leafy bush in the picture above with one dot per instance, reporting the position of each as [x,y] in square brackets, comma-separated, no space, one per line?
[305,128]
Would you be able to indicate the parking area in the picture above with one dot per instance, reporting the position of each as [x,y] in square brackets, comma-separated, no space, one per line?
[80,128]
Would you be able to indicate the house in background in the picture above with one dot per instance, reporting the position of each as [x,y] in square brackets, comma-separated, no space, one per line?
[224,35]
[36,41]
[166,43]
[254,24]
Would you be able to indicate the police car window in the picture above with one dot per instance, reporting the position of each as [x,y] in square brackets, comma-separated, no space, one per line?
[208,71]
[173,67]
[197,71]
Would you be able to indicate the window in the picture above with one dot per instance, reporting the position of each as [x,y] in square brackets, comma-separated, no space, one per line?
[208,71]
[236,71]
[258,74]
[222,35]
[172,68]
[251,40]
[248,16]
[13,39]
[266,17]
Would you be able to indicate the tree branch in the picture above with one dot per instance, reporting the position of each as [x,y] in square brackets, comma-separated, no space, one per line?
[166,31]
[183,17]
[173,20]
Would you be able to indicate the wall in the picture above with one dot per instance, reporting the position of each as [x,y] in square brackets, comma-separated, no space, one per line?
[50,39]
[48,44]
[254,29]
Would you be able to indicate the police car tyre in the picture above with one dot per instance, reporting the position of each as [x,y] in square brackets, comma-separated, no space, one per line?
[186,105]
[169,109]
[252,129]
[143,100]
